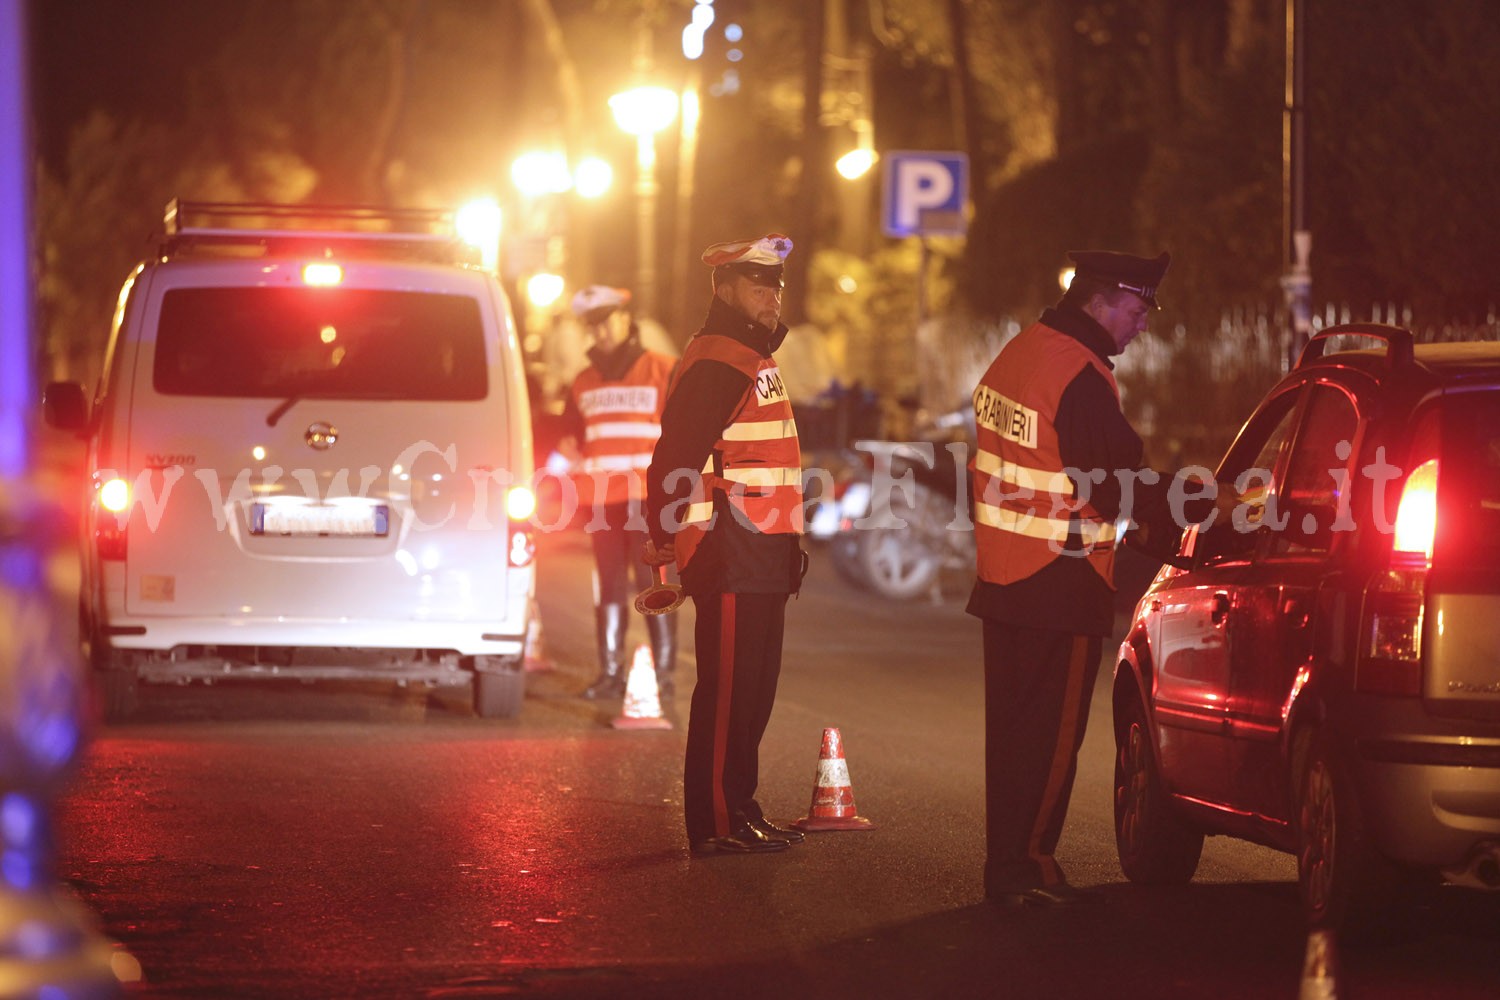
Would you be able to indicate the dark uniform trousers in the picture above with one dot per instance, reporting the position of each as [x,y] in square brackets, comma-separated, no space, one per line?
[1037,688]
[738,641]
[617,552]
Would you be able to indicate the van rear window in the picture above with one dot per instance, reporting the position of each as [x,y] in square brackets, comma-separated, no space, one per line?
[1469,481]
[331,343]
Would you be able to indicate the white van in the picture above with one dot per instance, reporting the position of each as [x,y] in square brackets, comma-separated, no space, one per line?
[310,451]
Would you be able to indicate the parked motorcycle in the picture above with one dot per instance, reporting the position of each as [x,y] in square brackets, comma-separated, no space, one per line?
[904,525]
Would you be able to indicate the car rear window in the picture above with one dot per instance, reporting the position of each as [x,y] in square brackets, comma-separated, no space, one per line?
[320,343]
[1469,480]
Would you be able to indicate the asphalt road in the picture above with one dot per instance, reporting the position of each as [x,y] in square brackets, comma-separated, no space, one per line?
[362,841]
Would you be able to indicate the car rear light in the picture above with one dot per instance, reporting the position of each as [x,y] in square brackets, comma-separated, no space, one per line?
[322,274]
[520,505]
[1416,516]
[1392,660]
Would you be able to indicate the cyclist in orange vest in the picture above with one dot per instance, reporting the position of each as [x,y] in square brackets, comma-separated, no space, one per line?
[1049,498]
[614,410]
[724,502]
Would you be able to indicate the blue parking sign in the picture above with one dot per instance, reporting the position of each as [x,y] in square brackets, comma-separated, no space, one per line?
[925,193]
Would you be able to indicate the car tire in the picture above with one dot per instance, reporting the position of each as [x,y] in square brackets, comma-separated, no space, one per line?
[118,690]
[1155,846]
[1345,884]
[499,689]
[902,559]
[844,553]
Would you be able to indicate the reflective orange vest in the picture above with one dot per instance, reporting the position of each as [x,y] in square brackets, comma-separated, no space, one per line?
[757,462]
[621,423]
[1025,506]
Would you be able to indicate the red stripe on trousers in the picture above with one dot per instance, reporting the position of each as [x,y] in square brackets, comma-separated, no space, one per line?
[721,710]
[1062,758]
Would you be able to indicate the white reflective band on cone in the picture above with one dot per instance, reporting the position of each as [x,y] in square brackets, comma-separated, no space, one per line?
[833,773]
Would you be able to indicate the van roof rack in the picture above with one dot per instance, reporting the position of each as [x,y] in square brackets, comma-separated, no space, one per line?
[261,228]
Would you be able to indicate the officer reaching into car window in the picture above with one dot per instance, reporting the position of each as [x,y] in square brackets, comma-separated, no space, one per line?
[724,500]
[1046,535]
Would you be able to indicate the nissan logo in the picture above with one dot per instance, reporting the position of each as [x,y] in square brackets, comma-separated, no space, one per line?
[321,435]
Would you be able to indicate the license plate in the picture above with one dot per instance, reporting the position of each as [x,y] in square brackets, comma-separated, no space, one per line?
[335,520]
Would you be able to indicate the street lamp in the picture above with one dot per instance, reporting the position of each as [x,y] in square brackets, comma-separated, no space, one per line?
[643,112]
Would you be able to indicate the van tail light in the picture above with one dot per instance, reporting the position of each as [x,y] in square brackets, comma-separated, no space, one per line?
[1392,660]
[109,529]
[520,505]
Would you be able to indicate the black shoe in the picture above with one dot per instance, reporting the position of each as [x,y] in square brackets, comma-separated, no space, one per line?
[1061,894]
[666,687]
[743,840]
[774,832]
[607,686]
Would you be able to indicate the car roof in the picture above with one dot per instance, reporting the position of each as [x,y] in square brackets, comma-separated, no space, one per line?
[1427,363]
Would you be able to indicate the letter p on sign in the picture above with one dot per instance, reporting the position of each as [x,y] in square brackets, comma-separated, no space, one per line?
[925,193]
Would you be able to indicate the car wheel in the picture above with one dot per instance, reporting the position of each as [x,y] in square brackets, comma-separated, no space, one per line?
[498,690]
[118,689]
[844,553]
[902,558]
[1345,884]
[1155,846]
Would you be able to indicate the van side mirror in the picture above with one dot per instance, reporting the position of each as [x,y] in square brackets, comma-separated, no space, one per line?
[65,407]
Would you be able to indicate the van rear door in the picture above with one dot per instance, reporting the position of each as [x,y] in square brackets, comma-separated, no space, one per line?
[307,452]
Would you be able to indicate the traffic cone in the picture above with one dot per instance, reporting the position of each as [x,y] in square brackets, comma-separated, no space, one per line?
[534,658]
[1319,968]
[832,798]
[642,706]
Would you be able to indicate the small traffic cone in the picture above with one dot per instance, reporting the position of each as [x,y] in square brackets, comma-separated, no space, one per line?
[534,658]
[642,706]
[832,798]
[1320,968]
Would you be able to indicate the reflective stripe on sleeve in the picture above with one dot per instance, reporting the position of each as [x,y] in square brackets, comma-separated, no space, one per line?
[697,513]
[617,463]
[764,477]
[760,430]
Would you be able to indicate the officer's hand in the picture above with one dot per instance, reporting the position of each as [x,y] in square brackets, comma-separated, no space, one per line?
[1225,501]
[654,556]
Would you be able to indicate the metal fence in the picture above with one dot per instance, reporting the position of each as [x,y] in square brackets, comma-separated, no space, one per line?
[1186,391]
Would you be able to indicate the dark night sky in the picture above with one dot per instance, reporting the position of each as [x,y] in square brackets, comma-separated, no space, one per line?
[114,55]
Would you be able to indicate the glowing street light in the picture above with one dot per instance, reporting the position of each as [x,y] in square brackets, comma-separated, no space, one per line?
[543,290]
[855,164]
[536,174]
[643,112]
[592,177]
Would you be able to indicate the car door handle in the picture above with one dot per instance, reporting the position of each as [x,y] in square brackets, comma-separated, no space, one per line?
[1295,612]
[1220,609]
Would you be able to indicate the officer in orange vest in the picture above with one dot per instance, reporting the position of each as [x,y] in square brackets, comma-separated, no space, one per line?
[1046,535]
[724,502]
[614,410]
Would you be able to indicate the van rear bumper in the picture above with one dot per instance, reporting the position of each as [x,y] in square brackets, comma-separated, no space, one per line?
[483,638]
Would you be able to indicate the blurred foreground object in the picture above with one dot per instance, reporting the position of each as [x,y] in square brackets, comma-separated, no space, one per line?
[49,945]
